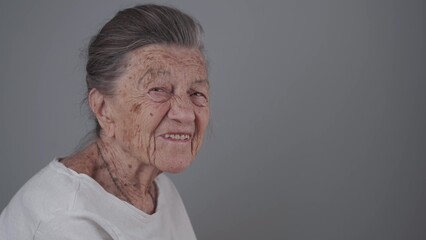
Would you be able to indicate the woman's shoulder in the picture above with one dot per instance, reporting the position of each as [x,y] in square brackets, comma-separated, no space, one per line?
[53,184]
[50,190]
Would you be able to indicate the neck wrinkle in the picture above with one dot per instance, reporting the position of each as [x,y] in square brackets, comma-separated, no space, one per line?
[133,178]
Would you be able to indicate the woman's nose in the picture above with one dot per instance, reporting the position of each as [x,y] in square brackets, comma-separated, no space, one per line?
[181,109]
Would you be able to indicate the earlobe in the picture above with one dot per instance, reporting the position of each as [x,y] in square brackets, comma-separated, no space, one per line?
[100,108]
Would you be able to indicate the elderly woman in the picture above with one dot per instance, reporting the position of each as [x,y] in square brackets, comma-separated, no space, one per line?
[148,90]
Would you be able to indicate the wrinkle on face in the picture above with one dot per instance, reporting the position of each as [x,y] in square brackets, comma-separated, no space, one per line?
[139,120]
[136,107]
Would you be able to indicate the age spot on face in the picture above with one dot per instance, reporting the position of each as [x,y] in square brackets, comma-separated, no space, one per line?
[151,114]
[136,107]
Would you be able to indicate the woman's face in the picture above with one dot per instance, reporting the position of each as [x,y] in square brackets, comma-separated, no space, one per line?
[160,108]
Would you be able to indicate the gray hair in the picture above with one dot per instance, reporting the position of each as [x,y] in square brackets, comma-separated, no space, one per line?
[134,28]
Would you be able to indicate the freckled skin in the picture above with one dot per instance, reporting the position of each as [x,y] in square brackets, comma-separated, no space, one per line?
[137,151]
[133,106]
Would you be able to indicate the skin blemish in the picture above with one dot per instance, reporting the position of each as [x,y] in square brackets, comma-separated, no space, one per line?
[122,93]
[130,165]
[151,114]
[136,108]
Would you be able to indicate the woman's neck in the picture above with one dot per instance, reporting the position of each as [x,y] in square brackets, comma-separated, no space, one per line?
[125,177]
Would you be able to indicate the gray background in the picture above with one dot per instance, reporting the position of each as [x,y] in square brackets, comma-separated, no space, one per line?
[318,126]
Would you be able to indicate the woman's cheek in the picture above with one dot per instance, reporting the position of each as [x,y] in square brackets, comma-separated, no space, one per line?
[145,119]
[155,114]
[129,126]
[202,119]
[203,116]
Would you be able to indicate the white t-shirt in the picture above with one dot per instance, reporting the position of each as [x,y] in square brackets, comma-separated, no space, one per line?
[58,203]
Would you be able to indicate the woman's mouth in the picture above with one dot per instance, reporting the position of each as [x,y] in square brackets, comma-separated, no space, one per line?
[183,137]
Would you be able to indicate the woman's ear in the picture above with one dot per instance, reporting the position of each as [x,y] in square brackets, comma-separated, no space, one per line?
[100,107]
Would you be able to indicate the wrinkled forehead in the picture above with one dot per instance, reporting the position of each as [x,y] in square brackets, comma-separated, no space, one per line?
[166,64]
[166,59]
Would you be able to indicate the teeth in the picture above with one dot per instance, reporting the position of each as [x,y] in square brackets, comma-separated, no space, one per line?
[177,136]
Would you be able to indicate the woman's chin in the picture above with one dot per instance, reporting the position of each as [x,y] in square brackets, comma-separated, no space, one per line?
[174,165]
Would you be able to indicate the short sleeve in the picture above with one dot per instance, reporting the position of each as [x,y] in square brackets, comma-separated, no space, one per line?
[72,226]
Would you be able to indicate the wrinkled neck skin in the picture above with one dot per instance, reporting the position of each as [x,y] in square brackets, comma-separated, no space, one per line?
[118,173]
[129,173]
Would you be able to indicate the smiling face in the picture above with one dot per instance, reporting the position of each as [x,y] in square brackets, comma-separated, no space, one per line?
[160,108]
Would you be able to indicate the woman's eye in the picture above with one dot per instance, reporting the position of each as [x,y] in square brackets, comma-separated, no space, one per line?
[159,94]
[199,99]
[198,94]
[157,89]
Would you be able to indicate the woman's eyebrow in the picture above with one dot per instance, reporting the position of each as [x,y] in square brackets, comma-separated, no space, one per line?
[150,76]
[201,82]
